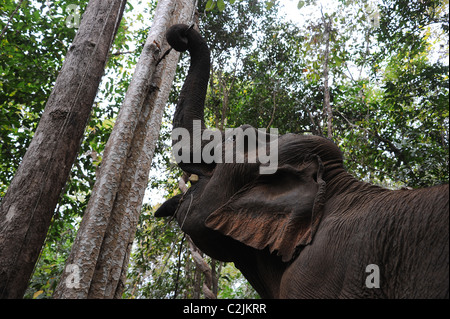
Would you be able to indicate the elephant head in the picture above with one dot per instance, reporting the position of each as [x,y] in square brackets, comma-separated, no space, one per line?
[278,211]
[306,228]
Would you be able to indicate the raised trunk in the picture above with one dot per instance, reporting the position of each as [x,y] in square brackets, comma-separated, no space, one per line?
[191,100]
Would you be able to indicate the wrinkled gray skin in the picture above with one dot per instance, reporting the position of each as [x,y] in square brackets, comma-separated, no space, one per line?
[311,229]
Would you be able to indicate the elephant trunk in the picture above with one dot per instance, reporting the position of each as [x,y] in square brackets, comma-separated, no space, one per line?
[191,101]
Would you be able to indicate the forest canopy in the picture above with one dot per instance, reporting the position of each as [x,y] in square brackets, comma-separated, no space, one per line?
[370,75]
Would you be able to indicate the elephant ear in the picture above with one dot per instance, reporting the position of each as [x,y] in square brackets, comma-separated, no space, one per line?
[280,211]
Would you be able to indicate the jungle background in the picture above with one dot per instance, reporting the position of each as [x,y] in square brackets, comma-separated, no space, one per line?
[371,75]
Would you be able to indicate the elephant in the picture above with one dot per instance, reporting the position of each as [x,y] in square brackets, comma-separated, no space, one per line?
[310,229]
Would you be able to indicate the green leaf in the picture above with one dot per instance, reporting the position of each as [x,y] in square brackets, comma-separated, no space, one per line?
[220,5]
[269,4]
[210,5]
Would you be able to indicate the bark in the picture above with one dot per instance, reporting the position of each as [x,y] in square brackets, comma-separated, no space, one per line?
[28,206]
[102,248]
[204,268]
[216,271]
[326,89]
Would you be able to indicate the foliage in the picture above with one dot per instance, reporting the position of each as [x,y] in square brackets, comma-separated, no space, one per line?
[256,63]
[157,247]
[397,130]
[234,285]
[32,50]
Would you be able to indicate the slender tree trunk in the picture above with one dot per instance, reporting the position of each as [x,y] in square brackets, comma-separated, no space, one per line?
[326,90]
[10,19]
[217,270]
[101,250]
[114,256]
[28,206]
[202,265]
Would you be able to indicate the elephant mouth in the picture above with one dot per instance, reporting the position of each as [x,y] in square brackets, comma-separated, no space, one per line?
[175,205]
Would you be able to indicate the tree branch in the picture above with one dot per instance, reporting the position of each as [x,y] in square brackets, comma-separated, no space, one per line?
[326,89]
[122,52]
[391,146]
[10,18]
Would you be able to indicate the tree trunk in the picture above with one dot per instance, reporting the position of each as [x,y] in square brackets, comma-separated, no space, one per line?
[326,68]
[202,265]
[102,247]
[29,204]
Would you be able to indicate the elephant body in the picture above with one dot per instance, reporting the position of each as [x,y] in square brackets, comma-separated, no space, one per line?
[309,229]
[402,232]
